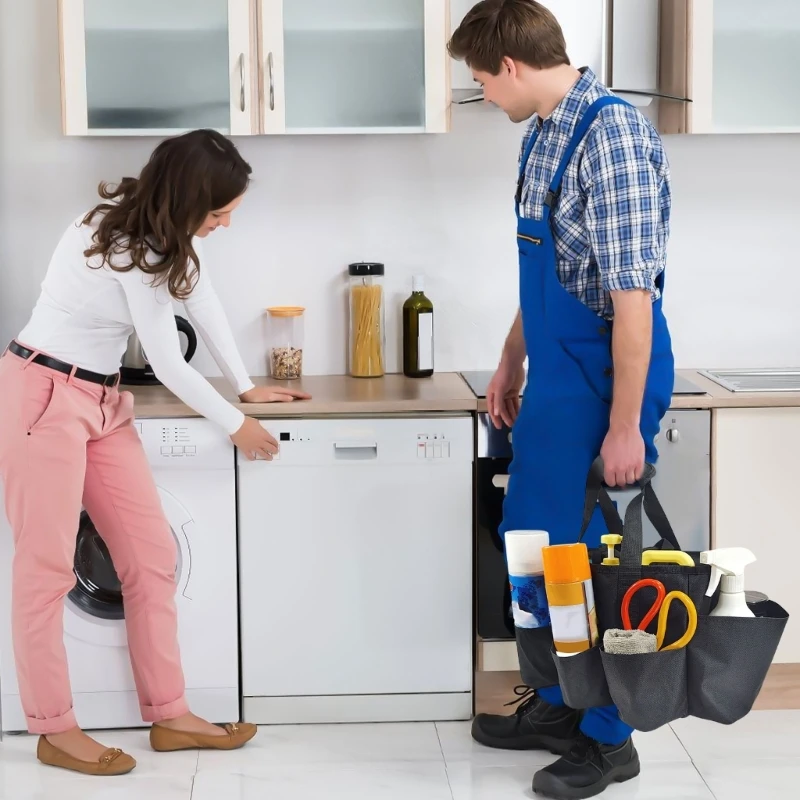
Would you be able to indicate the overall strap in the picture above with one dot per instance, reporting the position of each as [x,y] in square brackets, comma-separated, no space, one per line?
[589,116]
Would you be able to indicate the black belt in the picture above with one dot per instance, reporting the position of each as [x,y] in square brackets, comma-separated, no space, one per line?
[62,366]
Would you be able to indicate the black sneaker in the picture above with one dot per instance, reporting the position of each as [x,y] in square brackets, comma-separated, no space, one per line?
[535,725]
[587,770]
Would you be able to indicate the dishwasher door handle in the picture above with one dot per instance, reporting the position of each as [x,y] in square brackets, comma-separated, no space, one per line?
[355,450]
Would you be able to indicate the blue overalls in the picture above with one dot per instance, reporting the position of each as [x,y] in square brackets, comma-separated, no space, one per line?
[564,416]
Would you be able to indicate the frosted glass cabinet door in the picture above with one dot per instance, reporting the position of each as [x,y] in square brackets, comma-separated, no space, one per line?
[156,66]
[354,66]
[745,56]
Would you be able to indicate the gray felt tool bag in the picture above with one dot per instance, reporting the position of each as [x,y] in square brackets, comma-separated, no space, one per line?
[716,676]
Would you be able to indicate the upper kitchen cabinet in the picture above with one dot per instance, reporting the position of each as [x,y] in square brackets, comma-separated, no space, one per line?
[354,66]
[156,67]
[735,59]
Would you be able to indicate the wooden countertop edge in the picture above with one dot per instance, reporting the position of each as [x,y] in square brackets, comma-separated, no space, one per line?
[169,410]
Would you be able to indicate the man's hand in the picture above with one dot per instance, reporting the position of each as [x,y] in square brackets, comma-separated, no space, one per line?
[623,456]
[623,449]
[502,396]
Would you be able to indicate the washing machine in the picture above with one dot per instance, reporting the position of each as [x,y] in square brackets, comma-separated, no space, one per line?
[194,466]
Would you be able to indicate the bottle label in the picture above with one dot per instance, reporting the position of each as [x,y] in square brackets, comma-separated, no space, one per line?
[574,622]
[529,601]
[425,341]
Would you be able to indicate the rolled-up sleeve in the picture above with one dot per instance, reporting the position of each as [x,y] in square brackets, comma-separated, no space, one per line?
[625,179]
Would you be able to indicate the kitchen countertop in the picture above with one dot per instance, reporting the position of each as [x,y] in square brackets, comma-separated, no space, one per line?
[396,394]
[718,397]
[331,394]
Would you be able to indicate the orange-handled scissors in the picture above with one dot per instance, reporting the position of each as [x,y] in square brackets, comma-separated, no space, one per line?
[661,608]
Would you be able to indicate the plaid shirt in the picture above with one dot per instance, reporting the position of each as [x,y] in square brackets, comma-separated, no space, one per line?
[611,222]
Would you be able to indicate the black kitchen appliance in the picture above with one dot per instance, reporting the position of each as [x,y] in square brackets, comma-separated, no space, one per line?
[136,369]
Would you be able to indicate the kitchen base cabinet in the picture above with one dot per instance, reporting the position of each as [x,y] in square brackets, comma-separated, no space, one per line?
[756,467]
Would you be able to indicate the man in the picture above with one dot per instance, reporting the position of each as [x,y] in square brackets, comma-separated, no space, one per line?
[593,206]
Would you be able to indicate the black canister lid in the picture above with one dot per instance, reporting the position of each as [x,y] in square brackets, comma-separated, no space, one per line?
[363,268]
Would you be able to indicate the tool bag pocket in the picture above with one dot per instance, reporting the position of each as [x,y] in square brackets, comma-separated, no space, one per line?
[535,664]
[582,679]
[649,689]
[728,661]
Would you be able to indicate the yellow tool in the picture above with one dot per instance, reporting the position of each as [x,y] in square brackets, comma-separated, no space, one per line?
[666,557]
[611,540]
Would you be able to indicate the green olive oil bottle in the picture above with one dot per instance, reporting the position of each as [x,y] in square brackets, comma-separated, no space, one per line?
[418,332]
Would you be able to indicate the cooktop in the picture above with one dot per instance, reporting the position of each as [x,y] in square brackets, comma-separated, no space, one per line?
[479,381]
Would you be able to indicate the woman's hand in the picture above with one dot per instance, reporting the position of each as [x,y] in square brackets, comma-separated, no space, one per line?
[272,394]
[254,441]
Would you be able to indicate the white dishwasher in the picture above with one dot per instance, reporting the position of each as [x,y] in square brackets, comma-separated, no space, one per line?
[355,549]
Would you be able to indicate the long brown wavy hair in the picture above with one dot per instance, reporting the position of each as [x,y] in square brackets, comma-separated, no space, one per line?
[156,215]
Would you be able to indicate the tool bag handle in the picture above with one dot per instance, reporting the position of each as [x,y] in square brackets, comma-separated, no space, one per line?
[597,493]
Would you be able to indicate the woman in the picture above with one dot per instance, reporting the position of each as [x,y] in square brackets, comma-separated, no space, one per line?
[67,440]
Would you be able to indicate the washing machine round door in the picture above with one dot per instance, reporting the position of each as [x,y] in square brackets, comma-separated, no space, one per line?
[95,611]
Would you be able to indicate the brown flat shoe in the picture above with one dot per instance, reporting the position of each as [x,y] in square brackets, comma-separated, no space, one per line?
[112,762]
[165,740]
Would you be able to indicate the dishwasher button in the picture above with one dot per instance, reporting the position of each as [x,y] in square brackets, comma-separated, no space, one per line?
[429,451]
[437,451]
[446,450]
[421,450]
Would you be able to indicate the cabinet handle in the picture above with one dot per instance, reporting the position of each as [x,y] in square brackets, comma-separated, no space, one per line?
[242,103]
[270,64]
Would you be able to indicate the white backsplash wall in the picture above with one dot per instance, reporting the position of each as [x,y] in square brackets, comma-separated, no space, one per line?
[437,205]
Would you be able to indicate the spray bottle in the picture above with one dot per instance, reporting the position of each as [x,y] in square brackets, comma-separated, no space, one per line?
[728,564]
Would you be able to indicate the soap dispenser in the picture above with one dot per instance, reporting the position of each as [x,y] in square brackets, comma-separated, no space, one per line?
[728,565]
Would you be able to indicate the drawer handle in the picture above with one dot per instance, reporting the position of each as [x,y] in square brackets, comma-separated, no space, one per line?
[356,450]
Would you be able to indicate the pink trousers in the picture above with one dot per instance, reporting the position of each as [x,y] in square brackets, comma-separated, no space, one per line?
[68,444]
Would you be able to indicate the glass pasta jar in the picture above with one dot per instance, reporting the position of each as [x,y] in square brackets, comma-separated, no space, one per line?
[285,342]
[367,320]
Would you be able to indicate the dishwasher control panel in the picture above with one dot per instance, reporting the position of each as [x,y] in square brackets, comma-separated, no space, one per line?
[418,441]
[432,446]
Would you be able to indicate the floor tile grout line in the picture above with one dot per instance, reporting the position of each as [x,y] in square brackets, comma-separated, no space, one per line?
[191,788]
[444,761]
[692,761]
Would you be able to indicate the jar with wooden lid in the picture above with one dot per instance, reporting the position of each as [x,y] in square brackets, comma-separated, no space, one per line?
[367,320]
[285,342]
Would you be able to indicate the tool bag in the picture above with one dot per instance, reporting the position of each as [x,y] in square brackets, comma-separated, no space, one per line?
[717,676]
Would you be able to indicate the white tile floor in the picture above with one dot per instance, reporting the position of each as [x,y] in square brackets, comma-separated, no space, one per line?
[757,759]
